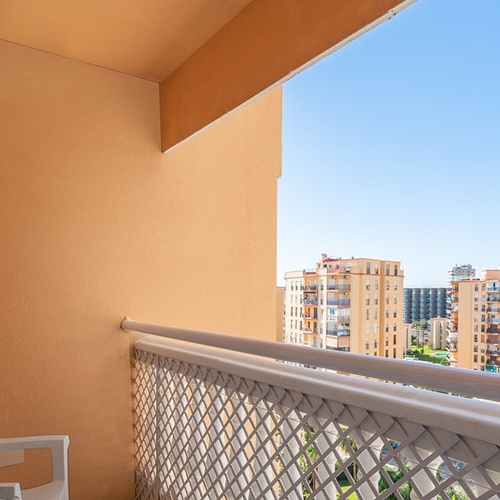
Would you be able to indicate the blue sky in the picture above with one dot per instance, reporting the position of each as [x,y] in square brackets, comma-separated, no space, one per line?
[391,146]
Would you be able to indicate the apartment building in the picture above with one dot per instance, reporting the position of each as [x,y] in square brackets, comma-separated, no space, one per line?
[473,322]
[438,333]
[460,272]
[424,303]
[348,305]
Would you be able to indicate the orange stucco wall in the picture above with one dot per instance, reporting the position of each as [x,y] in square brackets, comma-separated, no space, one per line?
[95,224]
[264,44]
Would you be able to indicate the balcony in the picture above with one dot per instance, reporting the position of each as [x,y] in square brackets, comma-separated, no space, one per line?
[309,331]
[338,288]
[339,319]
[311,302]
[338,332]
[333,342]
[338,303]
[213,424]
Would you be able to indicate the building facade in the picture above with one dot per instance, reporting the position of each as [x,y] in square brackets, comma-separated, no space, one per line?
[473,322]
[459,273]
[423,303]
[351,305]
[438,333]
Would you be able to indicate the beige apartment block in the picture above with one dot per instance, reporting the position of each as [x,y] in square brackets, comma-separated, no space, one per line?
[348,305]
[280,313]
[473,325]
[438,333]
[407,334]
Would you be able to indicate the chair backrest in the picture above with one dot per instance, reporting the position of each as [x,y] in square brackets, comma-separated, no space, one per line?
[10,491]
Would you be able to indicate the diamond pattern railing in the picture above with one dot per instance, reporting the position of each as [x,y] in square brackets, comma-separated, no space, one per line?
[204,431]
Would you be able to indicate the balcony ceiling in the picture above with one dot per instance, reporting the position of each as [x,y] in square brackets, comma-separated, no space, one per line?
[148,39]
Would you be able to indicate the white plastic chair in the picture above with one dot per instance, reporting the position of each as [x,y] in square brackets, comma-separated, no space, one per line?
[55,490]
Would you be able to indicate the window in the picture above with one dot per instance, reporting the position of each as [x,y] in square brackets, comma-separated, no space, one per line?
[376,314]
[367,284]
[395,313]
[394,353]
[394,327]
[376,300]
[394,339]
[387,313]
[367,329]
[387,284]
[386,342]
[475,358]
[387,269]
[368,264]
[476,298]
[387,328]
[475,328]
[367,314]
[367,345]
[475,338]
[476,288]
[376,268]
[395,284]
[387,353]
[395,270]
[375,344]
[395,299]
[387,300]
[367,300]
[376,284]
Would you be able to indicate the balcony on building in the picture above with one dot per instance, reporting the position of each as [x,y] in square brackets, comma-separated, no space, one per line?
[339,303]
[332,287]
[337,341]
[141,147]
[311,302]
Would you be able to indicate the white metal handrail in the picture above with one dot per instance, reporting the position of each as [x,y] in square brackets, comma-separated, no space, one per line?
[447,379]
[215,426]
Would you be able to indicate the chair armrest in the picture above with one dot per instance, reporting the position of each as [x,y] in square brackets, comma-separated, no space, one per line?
[57,444]
[10,491]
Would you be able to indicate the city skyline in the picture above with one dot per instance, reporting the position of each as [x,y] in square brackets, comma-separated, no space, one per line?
[390,146]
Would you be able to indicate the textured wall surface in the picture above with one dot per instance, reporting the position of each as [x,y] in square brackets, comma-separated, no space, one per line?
[95,224]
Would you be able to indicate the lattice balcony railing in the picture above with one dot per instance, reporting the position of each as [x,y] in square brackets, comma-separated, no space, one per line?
[216,425]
